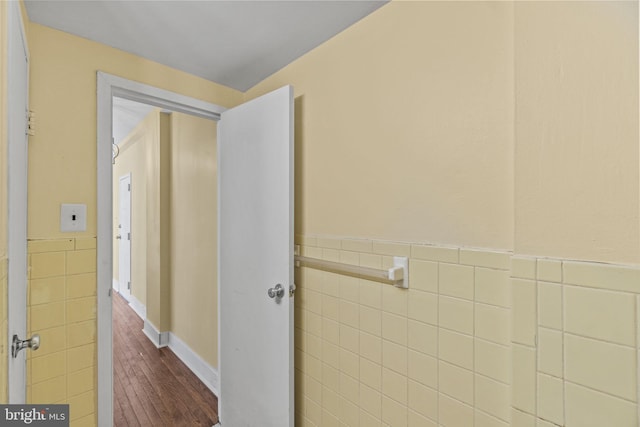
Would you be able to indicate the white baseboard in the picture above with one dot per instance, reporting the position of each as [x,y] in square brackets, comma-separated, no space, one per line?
[116,285]
[138,307]
[159,339]
[207,373]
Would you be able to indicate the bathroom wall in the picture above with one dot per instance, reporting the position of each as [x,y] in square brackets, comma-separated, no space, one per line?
[510,127]
[62,309]
[496,145]
[404,126]
[371,354]
[574,343]
[62,165]
[63,92]
[481,338]
[576,135]
[487,124]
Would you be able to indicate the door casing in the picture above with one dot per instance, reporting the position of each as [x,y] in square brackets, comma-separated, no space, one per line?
[108,87]
[18,93]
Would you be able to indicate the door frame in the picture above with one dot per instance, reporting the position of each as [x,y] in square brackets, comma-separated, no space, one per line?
[17,240]
[108,86]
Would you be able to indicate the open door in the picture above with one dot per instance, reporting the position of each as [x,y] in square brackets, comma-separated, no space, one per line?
[255,176]
[18,75]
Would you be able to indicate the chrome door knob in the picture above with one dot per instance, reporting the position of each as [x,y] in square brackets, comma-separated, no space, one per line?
[276,292]
[33,343]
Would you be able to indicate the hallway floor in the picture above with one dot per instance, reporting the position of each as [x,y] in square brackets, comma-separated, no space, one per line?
[152,387]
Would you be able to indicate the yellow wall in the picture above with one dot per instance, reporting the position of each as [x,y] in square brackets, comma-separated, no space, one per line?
[62,169]
[158,221]
[576,161]
[62,154]
[62,309]
[194,235]
[132,160]
[192,226]
[413,112]
[506,126]
[481,338]
[404,126]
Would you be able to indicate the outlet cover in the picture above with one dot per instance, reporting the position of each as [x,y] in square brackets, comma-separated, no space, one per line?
[73,218]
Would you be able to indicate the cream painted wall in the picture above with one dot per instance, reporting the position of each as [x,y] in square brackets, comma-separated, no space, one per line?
[404,126]
[157,163]
[132,160]
[576,162]
[194,237]
[191,294]
[63,93]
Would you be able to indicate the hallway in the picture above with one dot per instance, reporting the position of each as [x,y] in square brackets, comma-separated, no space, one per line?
[152,387]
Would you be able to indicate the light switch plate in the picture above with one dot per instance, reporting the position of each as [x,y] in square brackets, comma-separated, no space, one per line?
[73,218]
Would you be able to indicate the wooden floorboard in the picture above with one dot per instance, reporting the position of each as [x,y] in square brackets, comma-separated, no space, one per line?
[152,387]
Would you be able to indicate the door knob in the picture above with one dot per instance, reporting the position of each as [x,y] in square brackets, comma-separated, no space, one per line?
[33,343]
[276,292]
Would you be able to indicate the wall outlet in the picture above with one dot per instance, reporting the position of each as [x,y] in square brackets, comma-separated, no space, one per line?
[73,218]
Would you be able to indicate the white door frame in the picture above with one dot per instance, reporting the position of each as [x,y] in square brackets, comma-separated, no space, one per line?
[17,219]
[108,87]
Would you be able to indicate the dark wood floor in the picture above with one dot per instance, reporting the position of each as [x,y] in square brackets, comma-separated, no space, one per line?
[152,387]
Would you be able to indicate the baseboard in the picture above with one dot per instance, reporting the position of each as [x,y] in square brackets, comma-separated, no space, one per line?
[116,285]
[159,339]
[138,307]
[207,373]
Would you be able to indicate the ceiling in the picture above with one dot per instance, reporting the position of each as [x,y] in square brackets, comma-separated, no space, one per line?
[126,116]
[235,43]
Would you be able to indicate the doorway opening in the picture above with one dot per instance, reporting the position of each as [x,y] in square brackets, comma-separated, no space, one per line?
[255,241]
[154,306]
[164,265]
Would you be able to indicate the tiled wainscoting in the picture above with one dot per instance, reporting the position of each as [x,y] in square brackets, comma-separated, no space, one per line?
[480,339]
[574,343]
[62,309]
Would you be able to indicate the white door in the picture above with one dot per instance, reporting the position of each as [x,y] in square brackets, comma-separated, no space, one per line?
[124,236]
[255,176]
[18,75]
